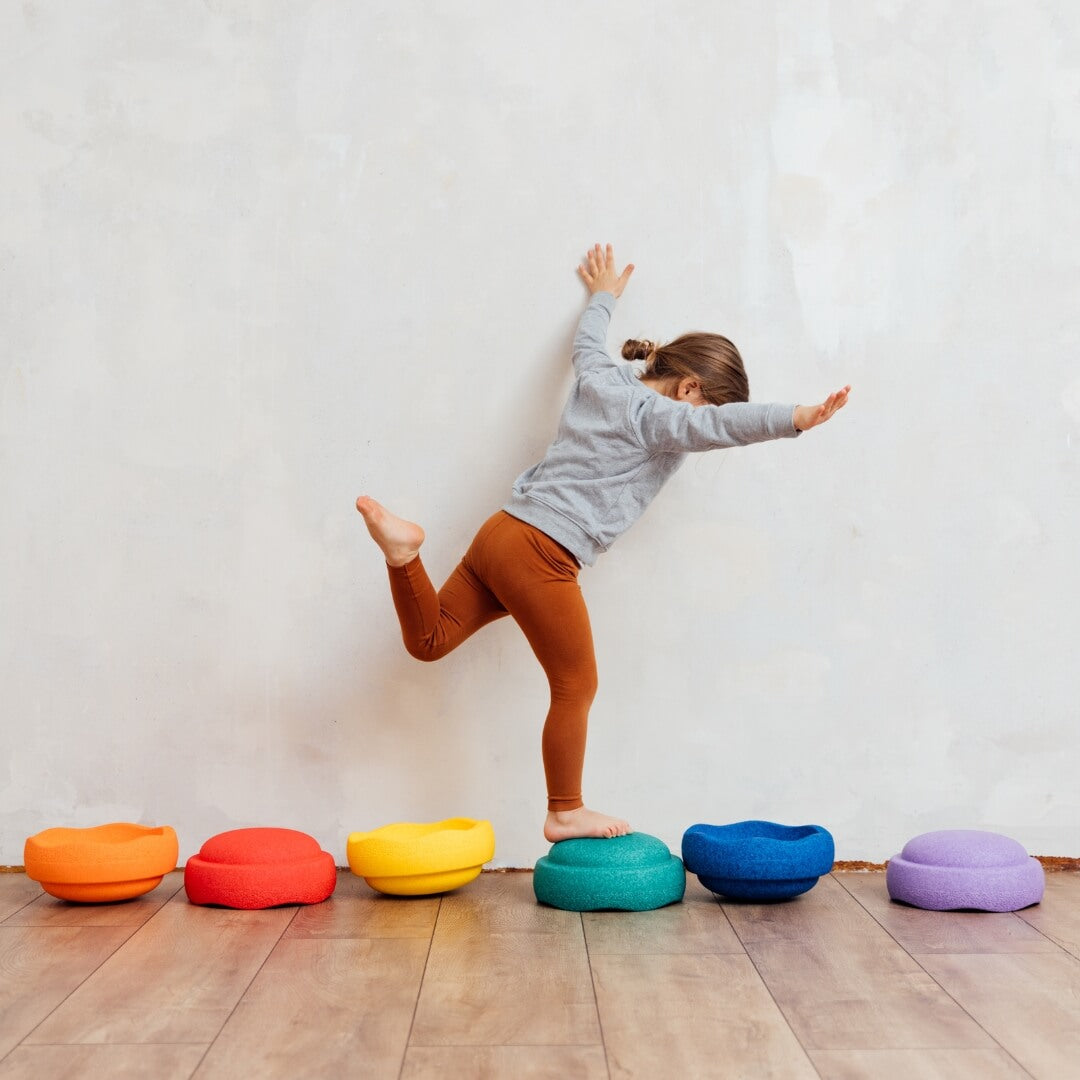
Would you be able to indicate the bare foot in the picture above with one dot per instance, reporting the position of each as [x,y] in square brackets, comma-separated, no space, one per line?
[570,824]
[399,540]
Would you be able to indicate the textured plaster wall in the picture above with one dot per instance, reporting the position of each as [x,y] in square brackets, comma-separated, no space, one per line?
[258,258]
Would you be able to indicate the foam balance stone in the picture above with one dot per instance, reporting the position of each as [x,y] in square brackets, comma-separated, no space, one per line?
[965,868]
[758,860]
[101,864]
[260,868]
[635,872]
[421,858]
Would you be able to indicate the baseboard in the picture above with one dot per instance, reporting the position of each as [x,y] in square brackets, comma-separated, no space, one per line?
[1050,863]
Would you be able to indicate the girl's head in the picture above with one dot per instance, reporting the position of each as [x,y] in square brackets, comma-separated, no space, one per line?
[699,368]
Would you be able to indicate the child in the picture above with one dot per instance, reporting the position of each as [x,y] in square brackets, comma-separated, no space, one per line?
[620,438]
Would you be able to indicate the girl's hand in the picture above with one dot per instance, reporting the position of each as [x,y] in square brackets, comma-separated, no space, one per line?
[808,416]
[600,275]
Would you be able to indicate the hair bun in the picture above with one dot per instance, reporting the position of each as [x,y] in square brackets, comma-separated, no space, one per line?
[637,350]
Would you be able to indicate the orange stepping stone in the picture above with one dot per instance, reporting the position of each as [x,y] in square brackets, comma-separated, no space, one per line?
[103,863]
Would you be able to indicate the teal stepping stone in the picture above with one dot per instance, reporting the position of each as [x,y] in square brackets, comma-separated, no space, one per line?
[635,872]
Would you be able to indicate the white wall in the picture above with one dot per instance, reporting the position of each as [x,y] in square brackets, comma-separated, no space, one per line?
[258,258]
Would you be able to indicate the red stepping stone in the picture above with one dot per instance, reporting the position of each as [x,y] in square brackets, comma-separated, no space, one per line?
[260,868]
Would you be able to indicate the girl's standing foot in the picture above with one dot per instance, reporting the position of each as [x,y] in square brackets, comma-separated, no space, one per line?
[398,539]
[571,824]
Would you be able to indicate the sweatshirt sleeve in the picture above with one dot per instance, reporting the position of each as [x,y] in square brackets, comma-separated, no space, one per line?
[667,426]
[590,341]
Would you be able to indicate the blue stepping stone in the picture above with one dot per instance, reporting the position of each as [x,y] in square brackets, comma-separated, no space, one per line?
[635,872]
[758,860]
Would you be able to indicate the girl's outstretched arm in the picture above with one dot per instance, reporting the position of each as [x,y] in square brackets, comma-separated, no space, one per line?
[808,416]
[605,285]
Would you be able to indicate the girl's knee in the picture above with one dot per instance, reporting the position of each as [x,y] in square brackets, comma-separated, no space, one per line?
[578,686]
[428,650]
[589,685]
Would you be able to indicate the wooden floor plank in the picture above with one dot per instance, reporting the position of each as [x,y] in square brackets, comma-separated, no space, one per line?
[47,910]
[101,1062]
[16,891]
[323,1007]
[502,1062]
[502,902]
[504,969]
[1058,916]
[920,931]
[39,968]
[917,1065]
[1030,1003]
[357,911]
[176,980]
[841,980]
[697,925]
[682,1016]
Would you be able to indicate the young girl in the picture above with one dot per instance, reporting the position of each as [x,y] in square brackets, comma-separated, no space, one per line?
[620,438]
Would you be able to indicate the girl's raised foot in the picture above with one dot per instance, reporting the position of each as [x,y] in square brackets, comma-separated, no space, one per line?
[398,539]
[572,824]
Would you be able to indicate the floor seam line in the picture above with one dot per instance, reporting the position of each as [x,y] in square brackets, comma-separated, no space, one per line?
[596,999]
[243,993]
[768,990]
[82,982]
[420,989]
[930,976]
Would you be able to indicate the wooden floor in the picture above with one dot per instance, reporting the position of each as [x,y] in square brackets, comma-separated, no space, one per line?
[485,982]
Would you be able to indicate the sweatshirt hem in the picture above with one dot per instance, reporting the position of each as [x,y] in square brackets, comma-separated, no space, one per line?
[559,527]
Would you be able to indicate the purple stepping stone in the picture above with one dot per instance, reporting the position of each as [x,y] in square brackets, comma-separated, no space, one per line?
[965,868]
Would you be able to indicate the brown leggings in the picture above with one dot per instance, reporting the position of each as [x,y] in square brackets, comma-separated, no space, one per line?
[512,568]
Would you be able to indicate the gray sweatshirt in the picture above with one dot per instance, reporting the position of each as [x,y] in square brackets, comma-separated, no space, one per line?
[619,441]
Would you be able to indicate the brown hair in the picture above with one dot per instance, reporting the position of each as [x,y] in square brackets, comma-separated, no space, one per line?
[710,358]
